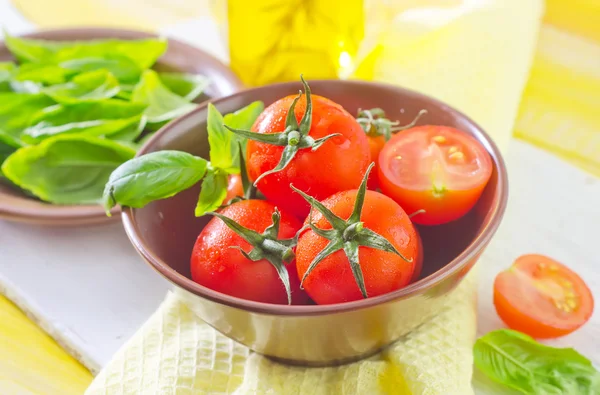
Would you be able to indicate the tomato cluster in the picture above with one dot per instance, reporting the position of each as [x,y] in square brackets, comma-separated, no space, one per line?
[320,233]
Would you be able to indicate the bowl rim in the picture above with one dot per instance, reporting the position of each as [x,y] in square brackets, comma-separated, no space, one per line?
[89,214]
[418,287]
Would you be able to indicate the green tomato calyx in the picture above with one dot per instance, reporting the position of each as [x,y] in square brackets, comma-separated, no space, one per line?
[347,235]
[267,246]
[294,138]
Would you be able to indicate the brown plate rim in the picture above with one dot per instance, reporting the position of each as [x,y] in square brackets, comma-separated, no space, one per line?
[91,214]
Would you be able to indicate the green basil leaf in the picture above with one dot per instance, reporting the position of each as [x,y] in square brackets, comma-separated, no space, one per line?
[105,118]
[26,87]
[43,73]
[70,169]
[10,140]
[6,68]
[163,105]
[31,50]
[6,71]
[188,86]
[144,53]
[245,117]
[92,86]
[154,176]
[126,91]
[519,362]
[223,143]
[212,193]
[123,68]
[16,112]
[8,83]
[5,151]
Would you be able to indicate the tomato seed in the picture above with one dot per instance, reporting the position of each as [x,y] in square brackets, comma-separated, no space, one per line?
[457,156]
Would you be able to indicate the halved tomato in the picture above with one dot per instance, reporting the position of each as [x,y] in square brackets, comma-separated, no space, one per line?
[542,298]
[438,169]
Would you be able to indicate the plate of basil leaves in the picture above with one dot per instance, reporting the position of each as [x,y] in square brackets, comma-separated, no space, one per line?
[76,103]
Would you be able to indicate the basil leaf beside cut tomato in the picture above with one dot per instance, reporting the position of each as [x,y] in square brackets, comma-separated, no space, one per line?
[154,176]
[69,169]
[519,362]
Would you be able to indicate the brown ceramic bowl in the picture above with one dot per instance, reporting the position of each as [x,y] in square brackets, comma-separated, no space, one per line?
[164,233]
[15,206]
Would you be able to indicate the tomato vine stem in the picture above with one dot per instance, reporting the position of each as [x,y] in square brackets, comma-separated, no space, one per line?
[374,123]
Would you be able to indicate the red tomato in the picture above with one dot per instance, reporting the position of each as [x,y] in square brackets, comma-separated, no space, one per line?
[338,165]
[332,280]
[419,259]
[376,144]
[234,188]
[542,298]
[436,168]
[217,266]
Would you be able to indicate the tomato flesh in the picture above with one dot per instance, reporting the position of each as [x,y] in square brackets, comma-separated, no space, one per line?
[215,265]
[542,298]
[438,169]
[337,165]
[332,281]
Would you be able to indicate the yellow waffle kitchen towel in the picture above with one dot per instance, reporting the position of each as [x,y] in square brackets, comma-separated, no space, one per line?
[463,52]
[176,353]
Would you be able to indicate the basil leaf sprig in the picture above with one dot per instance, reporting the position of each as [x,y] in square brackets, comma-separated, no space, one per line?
[517,361]
[162,174]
